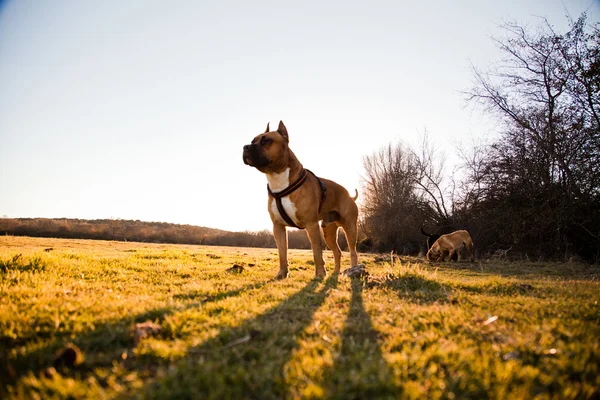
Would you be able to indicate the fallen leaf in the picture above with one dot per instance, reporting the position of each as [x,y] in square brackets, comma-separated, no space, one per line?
[490,320]
[238,341]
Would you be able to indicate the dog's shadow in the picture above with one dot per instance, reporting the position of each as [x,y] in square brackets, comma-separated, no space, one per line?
[359,370]
[247,361]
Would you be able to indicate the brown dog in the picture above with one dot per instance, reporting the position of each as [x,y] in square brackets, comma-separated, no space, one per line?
[451,244]
[298,198]
[431,238]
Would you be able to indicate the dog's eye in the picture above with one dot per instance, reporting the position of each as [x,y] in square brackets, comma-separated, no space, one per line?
[265,141]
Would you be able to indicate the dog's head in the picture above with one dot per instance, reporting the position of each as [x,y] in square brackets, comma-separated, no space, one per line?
[434,252]
[268,152]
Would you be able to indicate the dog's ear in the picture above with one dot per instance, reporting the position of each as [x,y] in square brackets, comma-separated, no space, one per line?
[283,131]
[267,130]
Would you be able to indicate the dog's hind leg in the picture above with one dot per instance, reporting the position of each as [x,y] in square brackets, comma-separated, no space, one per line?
[469,247]
[351,232]
[330,234]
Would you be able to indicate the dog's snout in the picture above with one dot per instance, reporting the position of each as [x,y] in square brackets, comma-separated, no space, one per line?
[247,154]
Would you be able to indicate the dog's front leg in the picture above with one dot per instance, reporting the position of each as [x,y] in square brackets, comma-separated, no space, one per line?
[451,253]
[314,235]
[280,235]
[442,256]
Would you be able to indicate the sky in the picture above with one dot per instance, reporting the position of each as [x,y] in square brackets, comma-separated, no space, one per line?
[139,109]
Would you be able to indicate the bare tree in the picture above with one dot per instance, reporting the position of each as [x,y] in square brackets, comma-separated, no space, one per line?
[429,163]
[391,208]
[546,89]
[541,178]
[403,188]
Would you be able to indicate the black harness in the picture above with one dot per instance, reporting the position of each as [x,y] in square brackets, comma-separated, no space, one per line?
[292,188]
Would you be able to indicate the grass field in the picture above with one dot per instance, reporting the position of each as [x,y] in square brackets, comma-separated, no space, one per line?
[94,319]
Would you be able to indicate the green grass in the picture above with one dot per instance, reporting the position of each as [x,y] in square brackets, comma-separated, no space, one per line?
[412,330]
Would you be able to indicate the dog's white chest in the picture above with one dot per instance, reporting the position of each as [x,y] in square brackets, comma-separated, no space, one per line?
[277,183]
[288,206]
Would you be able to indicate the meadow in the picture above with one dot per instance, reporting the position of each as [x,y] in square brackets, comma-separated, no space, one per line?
[104,319]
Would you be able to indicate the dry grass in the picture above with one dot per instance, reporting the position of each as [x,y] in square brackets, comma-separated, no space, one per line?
[415,330]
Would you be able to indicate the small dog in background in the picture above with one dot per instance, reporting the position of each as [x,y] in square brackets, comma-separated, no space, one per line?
[431,238]
[449,245]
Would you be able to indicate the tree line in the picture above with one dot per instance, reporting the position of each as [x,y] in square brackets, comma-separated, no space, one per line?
[140,231]
[534,190]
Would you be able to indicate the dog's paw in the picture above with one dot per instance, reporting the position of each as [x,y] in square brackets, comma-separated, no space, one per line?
[281,275]
[320,273]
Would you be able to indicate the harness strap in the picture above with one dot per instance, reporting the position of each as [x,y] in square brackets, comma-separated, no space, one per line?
[292,188]
[323,190]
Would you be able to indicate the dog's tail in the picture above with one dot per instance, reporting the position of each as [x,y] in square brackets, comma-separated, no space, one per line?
[425,233]
[355,195]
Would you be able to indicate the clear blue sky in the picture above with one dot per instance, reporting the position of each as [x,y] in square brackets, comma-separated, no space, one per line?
[140,109]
